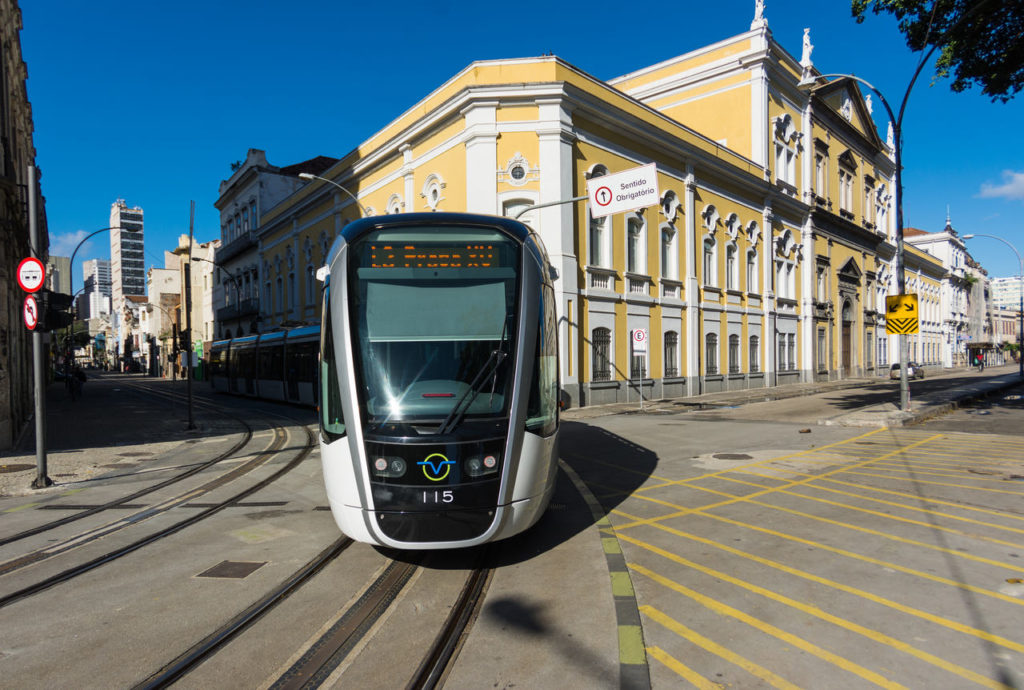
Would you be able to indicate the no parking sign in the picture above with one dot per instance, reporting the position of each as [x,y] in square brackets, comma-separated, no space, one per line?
[639,340]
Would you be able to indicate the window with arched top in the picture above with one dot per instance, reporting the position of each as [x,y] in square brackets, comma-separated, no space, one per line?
[734,354]
[669,255]
[732,267]
[711,353]
[710,262]
[601,343]
[671,354]
[755,354]
[635,245]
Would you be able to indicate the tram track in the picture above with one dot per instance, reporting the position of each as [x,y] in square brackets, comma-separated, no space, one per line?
[94,510]
[75,571]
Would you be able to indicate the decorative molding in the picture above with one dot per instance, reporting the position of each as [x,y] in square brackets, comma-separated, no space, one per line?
[433,191]
[517,171]
[711,218]
[670,206]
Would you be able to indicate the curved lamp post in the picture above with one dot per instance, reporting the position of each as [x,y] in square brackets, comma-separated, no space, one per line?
[901,280]
[311,176]
[1020,282]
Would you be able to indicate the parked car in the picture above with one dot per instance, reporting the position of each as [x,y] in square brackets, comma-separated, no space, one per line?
[914,371]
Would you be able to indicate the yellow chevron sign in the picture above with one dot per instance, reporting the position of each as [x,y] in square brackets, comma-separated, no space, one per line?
[901,316]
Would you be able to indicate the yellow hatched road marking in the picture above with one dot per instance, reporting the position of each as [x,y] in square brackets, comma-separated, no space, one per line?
[850,554]
[853,470]
[817,612]
[904,506]
[916,497]
[769,629]
[696,638]
[932,472]
[24,506]
[696,680]
[788,485]
[909,610]
[668,482]
[888,516]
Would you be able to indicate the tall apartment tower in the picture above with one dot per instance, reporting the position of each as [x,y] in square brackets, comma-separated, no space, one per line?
[127,258]
[97,287]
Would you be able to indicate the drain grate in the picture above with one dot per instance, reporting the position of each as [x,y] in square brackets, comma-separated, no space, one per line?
[135,454]
[17,467]
[732,456]
[232,570]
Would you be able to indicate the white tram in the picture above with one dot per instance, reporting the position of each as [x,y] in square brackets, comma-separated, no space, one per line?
[439,380]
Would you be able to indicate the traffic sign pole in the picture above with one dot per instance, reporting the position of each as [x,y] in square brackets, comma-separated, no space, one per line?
[42,480]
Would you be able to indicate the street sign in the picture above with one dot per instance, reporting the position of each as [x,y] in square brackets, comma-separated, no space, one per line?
[30,312]
[639,340]
[623,191]
[31,274]
[901,315]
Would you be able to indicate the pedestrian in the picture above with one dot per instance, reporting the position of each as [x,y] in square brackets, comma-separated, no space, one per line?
[980,359]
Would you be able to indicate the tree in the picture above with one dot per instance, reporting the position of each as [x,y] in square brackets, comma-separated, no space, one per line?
[981,42]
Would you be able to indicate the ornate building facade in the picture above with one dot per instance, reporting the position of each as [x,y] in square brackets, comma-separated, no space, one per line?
[17,153]
[766,262]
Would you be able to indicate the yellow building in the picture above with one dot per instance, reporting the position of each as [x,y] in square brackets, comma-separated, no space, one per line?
[721,275]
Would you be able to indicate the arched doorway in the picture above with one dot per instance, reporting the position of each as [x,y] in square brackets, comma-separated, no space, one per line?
[847,342]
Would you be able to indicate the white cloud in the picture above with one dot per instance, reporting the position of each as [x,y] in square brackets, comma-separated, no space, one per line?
[65,243]
[1012,187]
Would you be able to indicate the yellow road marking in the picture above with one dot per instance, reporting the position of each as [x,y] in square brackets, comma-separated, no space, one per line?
[909,610]
[929,472]
[696,680]
[24,506]
[922,499]
[695,637]
[890,516]
[631,645]
[817,612]
[769,629]
[788,485]
[925,481]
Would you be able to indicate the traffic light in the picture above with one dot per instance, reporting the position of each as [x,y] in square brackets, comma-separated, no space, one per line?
[54,310]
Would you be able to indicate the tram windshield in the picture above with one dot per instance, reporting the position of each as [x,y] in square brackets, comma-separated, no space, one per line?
[433,315]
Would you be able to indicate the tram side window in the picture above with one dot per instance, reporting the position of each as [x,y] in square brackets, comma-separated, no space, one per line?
[272,362]
[302,362]
[218,363]
[332,420]
[542,411]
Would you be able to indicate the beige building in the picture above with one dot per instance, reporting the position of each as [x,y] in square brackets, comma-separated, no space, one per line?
[767,260]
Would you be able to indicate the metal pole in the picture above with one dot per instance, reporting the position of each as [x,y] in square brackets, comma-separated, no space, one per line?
[39,385]
[188,313]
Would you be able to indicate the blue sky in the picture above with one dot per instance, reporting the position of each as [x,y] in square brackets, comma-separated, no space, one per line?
[152,102]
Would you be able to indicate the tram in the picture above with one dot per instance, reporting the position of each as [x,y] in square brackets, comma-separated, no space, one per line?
[279,365]
[438,380]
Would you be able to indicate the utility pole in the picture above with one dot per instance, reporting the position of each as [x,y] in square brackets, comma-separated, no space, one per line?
[42,480]
[188,313]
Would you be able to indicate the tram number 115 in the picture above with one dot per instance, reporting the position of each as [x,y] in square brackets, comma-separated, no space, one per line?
[438,497]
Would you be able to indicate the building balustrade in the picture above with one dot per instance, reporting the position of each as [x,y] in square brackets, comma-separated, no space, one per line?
[247,307]
[234,247]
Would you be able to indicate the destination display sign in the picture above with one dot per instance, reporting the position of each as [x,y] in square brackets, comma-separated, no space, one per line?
[407,255]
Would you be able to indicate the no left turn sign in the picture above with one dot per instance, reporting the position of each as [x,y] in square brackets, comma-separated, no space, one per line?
[30,312]
[31,274]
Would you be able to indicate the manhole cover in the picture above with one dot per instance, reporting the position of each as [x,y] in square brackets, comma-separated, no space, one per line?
[135,454]
[235,570]
[7,469]
[732,456]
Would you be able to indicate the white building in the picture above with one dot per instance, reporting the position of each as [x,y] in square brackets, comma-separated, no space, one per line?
[955,299]
[1006,293]
[254,187]
[97,291]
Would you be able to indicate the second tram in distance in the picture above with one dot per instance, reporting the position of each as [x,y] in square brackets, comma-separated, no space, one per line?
[438,380]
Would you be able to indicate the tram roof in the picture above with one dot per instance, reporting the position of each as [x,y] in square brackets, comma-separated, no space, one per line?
[440,219]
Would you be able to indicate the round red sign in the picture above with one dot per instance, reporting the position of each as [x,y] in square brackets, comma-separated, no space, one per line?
[30,312]
[31,274]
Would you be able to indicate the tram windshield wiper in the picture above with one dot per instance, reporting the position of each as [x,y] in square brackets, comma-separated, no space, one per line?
[490,367]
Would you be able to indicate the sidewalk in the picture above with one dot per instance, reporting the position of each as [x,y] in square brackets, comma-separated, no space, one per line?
[969,384]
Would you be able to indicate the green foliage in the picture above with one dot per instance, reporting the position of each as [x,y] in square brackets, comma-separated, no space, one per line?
[981,42]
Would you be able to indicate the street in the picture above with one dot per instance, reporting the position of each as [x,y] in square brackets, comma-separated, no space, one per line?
[745,546]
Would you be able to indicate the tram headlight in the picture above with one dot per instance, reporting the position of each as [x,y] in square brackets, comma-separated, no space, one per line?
[388,467]
[479,466]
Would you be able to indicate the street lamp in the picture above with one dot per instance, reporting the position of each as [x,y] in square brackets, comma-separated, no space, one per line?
[235,282]
[1020,282]
[311,176]
[808,82]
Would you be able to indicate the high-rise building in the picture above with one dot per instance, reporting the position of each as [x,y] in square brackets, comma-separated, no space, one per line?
[97,287]
[1006,293]
[127,257]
